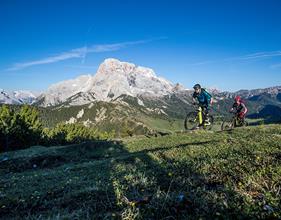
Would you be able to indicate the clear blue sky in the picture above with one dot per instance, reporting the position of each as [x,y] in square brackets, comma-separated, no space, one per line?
[227,44]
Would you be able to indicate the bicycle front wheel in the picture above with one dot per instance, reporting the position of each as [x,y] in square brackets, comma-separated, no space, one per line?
[227,125]
[191,121]
[245,123]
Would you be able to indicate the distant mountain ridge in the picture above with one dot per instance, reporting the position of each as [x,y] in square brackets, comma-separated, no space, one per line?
[17,97]
[254,92]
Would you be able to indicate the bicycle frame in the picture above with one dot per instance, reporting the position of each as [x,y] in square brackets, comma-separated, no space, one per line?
[200,115]
[237,121]
[197,118]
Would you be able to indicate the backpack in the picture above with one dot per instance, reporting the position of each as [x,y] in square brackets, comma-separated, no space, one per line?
[207,94]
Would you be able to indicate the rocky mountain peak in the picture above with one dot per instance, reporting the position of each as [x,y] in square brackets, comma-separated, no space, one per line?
[114,66]
[113,78]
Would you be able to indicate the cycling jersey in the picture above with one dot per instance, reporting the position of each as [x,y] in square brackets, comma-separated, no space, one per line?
[204,98]
[240,108]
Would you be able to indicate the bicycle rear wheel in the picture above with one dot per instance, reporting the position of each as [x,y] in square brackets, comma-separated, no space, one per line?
[191,121]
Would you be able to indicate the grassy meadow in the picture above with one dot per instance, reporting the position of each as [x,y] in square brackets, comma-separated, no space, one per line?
[200,174]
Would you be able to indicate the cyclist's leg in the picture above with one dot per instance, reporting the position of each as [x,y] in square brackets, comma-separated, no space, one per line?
[237,120]
[206,116]
[241,118]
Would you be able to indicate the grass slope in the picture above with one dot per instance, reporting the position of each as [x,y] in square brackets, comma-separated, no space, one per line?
[221,175]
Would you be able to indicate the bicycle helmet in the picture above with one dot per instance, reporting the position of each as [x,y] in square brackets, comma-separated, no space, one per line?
[197,86]
[237,98]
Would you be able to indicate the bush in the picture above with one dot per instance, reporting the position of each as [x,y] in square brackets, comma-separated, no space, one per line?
[23,129]
[63,134]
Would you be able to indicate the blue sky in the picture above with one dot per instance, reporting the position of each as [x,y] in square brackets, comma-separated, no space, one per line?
[229,45]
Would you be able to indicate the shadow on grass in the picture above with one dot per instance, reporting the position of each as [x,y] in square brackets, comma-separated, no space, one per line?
[103,180]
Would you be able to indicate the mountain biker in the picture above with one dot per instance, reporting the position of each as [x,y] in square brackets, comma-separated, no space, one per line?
[204,99]
[239,108]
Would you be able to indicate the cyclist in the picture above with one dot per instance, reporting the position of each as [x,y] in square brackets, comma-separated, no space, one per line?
[239,108]
[204,99]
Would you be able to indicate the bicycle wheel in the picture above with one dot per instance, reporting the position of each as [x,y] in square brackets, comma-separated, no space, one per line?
[241,123]
[227,125]
[191,121]
[245,123]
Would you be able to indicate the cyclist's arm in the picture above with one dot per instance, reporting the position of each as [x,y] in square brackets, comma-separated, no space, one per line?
[244,109]
[194,98]
[211,101]
[233,108]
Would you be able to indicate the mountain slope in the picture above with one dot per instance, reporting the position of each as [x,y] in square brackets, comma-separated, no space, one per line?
[125,115]
[142,113]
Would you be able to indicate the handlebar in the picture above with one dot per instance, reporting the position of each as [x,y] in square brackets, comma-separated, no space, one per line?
[233,112]
[198,105]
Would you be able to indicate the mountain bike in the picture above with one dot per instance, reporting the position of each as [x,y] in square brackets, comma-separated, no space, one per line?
[196,119]
[235,121]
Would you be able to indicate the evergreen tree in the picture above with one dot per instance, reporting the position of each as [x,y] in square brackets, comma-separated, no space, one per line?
[33,126]
[19,130]
[7,122]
